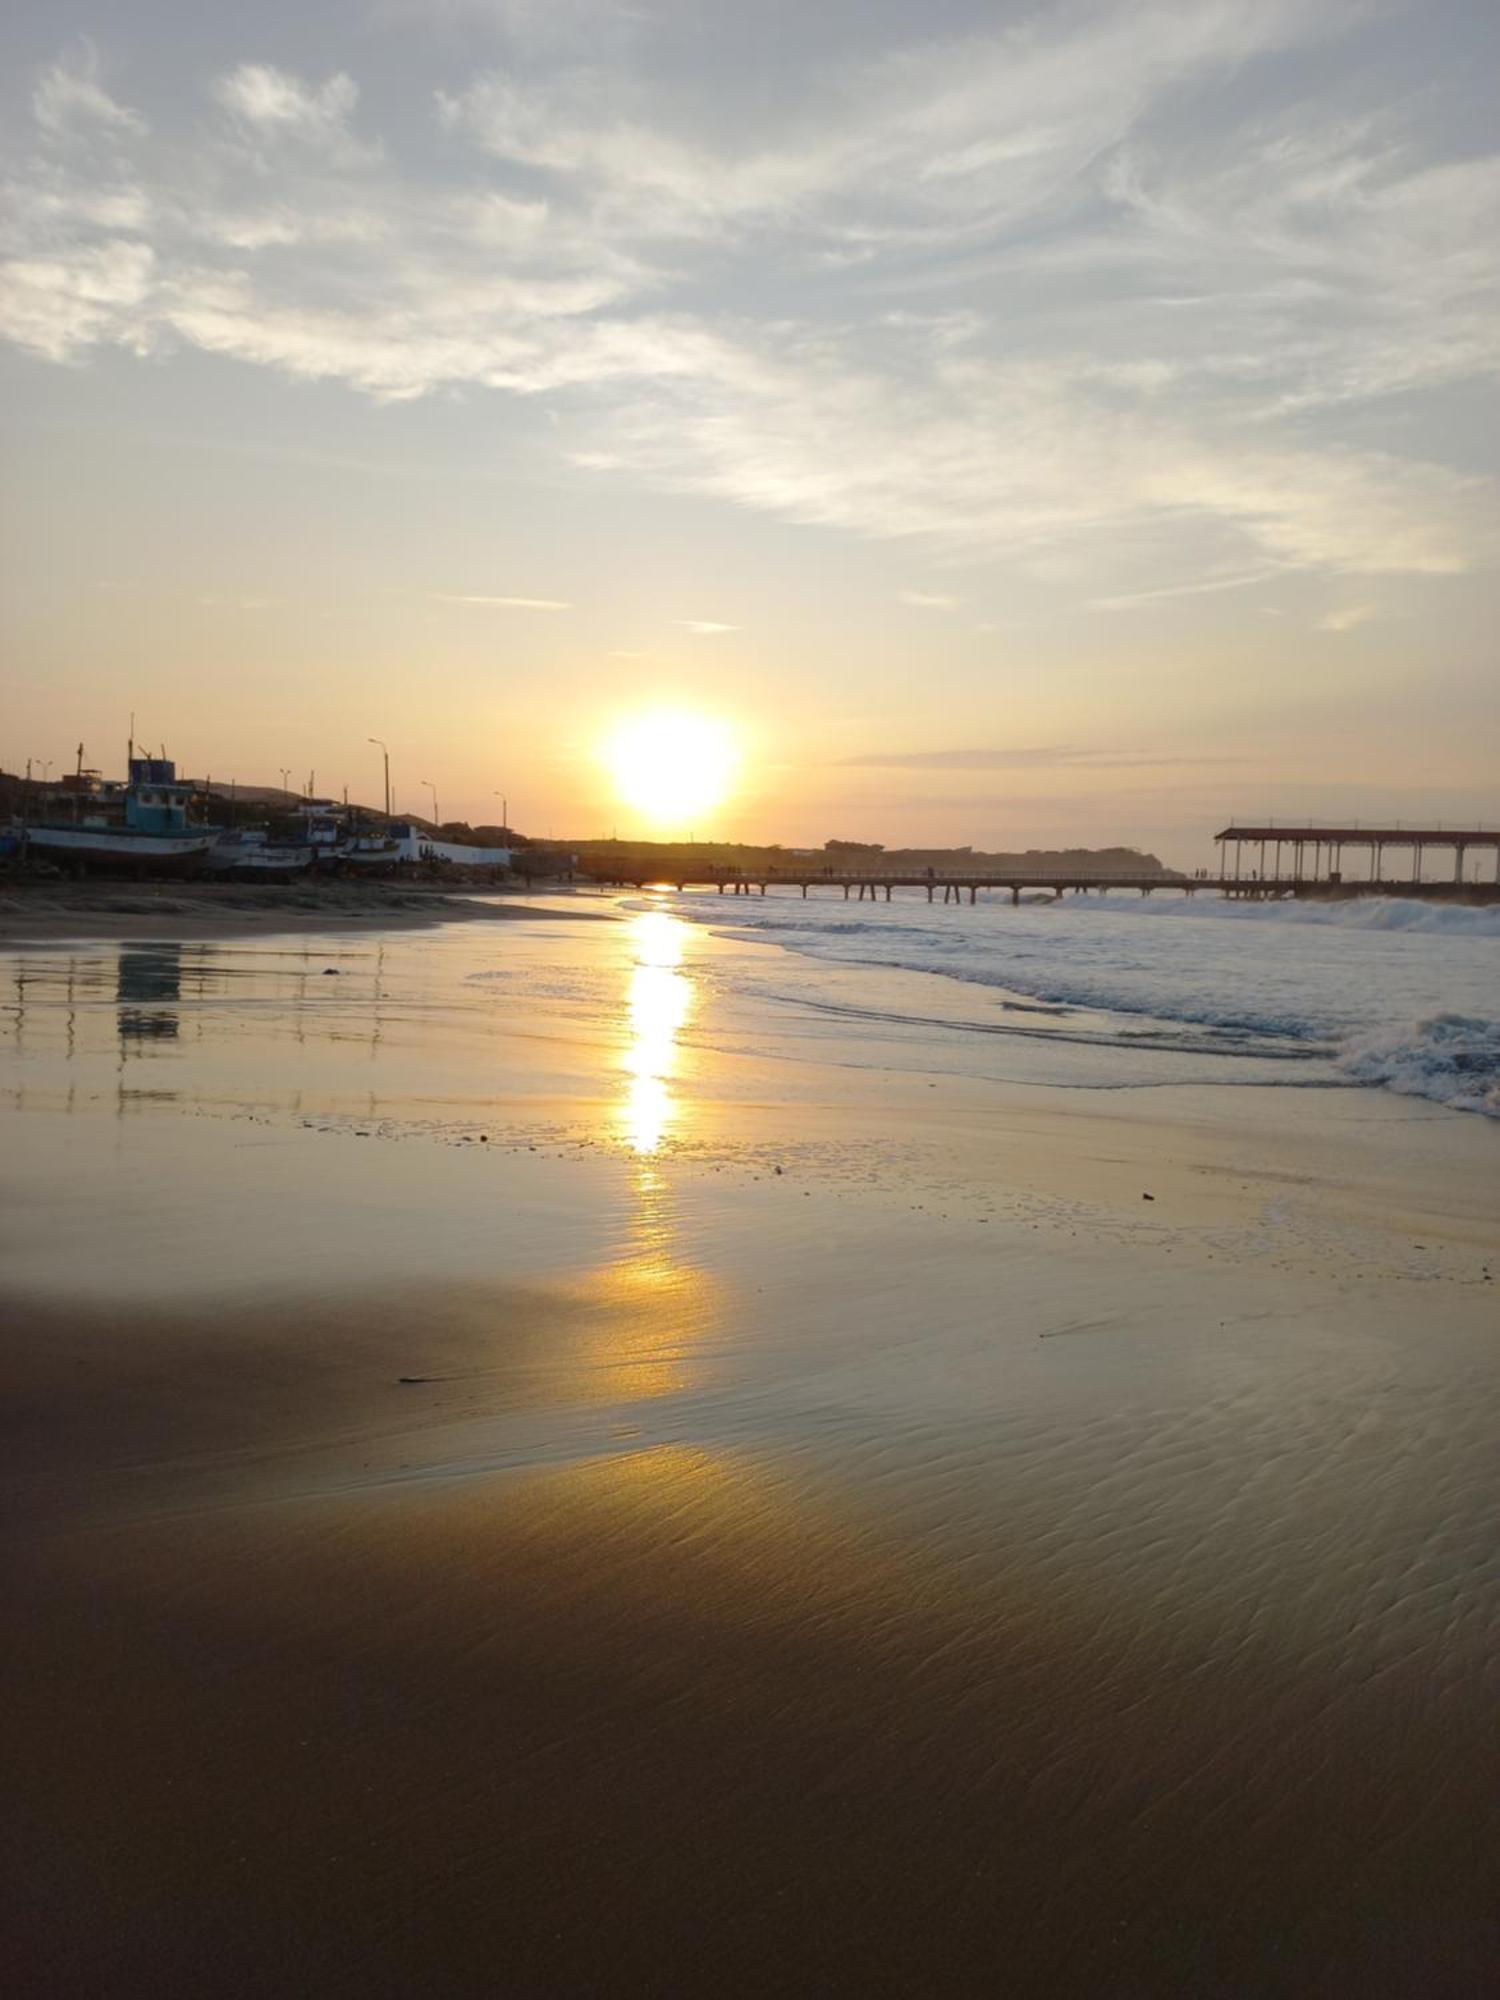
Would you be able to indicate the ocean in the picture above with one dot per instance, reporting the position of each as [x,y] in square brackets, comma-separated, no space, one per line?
[1398,994]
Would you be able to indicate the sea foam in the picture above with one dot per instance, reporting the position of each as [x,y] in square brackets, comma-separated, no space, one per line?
[1451,1058]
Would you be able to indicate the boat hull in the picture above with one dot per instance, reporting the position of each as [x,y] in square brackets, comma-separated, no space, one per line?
[117,850]
[268,864]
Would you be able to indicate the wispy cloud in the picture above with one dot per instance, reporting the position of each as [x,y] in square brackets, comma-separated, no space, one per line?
[271,104]
[1205,587]
[1346,617]
[1002,296]
[70,100]
[1045,757]
[926,600]
[502,603]
[705,627]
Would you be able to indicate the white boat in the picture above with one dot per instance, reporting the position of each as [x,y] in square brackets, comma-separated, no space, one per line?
[95,843]
[250,856]
[374,850]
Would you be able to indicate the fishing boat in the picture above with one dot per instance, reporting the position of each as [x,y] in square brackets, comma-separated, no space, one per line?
[140,827]
[377,850]
[250,855]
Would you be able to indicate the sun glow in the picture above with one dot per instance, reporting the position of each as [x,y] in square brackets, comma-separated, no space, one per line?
[671,767]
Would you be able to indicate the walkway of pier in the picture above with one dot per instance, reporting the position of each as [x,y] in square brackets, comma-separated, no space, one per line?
[874,885]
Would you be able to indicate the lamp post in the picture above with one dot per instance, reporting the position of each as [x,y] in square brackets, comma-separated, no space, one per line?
[286,776]
[387,756]
[437,819]
[504,811]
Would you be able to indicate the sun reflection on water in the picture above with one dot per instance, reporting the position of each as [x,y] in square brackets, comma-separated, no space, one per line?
[658,1001]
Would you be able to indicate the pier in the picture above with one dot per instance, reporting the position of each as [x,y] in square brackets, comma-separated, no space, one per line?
[1270,859]
[877,884]
[1259,860]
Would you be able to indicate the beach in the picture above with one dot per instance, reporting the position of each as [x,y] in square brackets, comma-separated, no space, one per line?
[59,912]
[604,1455]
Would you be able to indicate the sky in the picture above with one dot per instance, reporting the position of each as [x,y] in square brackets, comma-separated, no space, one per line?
[1020,425]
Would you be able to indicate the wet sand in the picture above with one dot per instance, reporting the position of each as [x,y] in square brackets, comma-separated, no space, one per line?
[928,1567]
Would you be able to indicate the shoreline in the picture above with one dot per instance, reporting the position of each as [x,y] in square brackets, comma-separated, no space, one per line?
[59,914]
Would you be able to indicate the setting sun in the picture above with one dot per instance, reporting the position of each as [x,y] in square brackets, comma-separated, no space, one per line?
[672,767]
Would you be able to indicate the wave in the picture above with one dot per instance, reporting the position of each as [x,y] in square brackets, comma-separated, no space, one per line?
[1095,986]
[1454,1059]
[1389,991]
[1358,913]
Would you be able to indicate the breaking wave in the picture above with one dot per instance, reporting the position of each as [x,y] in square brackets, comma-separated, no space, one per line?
[1452,1058]
[1359,913]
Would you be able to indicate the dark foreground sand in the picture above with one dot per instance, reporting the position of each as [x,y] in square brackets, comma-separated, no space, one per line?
[671,1720]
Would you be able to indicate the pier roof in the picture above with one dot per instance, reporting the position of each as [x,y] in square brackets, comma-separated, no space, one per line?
[1353,834]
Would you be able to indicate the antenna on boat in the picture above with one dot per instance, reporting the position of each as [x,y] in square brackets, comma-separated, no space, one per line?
[80,760]
[130,746]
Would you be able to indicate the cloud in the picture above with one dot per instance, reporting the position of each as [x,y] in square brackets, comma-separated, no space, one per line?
[706,627]
[270,104]
[925,600]
[506,603]
[1023,297]
[1346,618]
[70,101]
[1046,757]
[993,458]
[1204,586]
[951,134]
[59,306]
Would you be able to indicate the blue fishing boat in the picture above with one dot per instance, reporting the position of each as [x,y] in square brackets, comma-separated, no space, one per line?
[140,827]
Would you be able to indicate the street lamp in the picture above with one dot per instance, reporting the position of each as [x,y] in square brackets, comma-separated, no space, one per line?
[286,776]
[387,756]
[504,811]
[437,818]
